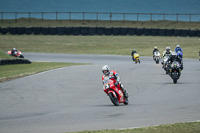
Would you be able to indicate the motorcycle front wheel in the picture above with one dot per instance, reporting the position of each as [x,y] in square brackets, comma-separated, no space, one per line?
[114,100]
[21,56]
[126,101]
[175,77]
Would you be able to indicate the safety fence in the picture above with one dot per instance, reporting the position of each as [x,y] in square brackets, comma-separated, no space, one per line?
[97,31]
[100,16]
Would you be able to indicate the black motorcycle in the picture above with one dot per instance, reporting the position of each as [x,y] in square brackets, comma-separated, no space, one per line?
[175,71]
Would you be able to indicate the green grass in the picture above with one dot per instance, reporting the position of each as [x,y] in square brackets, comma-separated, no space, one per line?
[115,45]
[8,72]
[190,127]
[24,22]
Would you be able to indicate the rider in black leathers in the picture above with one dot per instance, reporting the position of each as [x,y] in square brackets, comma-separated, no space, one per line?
[175,57]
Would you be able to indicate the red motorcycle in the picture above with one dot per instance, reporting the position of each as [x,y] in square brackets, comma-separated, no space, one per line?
[116,95]
[16,54]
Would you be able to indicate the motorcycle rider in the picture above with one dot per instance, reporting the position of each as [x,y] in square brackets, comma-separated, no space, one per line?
[175,57]
[179,51]
[132,53]
[13,51]
[178,48]
[111,74]
[154,50]
[167,52]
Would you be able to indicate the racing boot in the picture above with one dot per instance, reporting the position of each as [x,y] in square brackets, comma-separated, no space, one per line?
[125,93]
[123,90]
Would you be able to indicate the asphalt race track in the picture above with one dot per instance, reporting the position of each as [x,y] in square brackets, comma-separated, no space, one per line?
[72,98]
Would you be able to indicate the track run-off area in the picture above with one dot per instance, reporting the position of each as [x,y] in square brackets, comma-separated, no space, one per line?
[72,98]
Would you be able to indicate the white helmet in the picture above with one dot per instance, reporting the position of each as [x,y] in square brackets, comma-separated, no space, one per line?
[178,46]
[106,69]
[14,49]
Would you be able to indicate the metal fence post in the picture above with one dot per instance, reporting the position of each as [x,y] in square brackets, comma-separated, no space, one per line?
[97,16]
[163,16]
[42,15]
[177,17]
[83,16]
[2,16]
[151,16]
[110,16]
[190,17]
[69,15]
[29,16]
[137,17]
[15,16]
[56,16]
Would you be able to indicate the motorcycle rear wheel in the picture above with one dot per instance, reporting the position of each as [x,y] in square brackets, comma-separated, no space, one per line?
[114,100]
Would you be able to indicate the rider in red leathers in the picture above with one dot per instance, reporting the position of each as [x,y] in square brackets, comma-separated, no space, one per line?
[113,76]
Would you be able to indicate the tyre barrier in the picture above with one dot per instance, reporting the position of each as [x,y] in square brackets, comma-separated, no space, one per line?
[4,31]
[98,31]
[28,31]
[154,32]
[170,32]
[14,61]
[124,31]
[147,32]
[76,31]
[92,31]
[116,31]
[68,31]
[61,30]
[36,30]
[177,32]
[108,31]
[132,31]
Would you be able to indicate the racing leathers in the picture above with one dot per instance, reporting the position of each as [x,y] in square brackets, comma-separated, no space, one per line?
[155,50]
[175,58]
[178,49]
[13,52]
[132,54]
[116,79]
[165,53]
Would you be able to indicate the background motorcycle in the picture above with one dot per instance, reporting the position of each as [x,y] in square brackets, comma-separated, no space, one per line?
[157,57]
[16,54]
[136,56]
[165,64]
[116,95]
[175,71]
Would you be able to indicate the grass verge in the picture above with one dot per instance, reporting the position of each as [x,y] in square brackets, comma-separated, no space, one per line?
[162,24]
[115,45]
[8,72]
[188,127]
